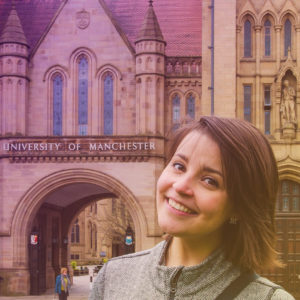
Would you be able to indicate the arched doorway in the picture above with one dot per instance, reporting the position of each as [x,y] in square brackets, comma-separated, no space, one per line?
[46,212]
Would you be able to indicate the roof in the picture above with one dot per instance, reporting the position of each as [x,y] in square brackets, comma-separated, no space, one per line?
[180,21]
[150,29]
[13,31]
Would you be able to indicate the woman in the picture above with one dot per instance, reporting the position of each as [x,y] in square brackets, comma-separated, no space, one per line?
[216,201]
[62,284]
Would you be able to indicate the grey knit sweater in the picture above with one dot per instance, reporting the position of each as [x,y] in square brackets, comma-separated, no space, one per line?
[141,276]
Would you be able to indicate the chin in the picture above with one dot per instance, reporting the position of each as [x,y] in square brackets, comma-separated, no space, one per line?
[169,228]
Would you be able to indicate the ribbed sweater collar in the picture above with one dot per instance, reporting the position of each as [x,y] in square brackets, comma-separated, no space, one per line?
[191,279]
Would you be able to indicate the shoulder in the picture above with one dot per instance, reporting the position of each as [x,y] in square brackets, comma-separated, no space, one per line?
[271,290]
[280,294]
[124,271]
[137,259]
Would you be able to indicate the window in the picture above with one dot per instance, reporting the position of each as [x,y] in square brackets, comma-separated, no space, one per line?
[176,109]
[267,108]
[287,36]
[82,95]
[75,256]
[289,196]
[191,106]
[247,39]
[267,27]
[108,104]
[57,85]
[75,234]
[247,103]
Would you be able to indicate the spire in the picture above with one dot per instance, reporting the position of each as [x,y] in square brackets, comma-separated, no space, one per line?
[150,28]
[13,31]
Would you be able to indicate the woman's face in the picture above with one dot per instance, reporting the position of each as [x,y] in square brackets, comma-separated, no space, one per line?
[191,198]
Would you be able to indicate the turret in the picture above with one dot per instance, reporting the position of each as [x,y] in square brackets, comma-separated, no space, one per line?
[13,76]
[150,72]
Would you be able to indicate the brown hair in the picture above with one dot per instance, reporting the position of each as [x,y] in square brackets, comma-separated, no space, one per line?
[251,182]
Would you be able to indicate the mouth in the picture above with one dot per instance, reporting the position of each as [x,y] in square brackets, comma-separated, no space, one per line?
[180,207]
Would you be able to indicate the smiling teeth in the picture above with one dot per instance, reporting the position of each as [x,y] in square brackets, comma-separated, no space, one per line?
[179,207]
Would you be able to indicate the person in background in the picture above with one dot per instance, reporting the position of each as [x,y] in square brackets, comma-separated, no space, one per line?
[62,284]
[216,202]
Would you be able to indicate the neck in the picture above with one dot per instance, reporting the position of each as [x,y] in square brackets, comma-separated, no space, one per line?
[189,252]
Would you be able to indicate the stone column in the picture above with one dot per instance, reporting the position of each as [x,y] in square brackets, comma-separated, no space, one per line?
[277,51]
[256,108]
[297,27]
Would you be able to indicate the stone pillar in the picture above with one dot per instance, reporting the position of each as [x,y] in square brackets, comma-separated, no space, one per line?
[297,27]
[257,108]
[225,58]
[238,47]
[278,48]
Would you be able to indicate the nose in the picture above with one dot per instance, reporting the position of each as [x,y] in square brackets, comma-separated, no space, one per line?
[184,185]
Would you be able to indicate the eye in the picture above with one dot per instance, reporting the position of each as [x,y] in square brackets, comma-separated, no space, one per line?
[178,166]
[211,182]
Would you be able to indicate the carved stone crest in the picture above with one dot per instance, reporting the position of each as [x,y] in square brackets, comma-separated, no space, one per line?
[82,19]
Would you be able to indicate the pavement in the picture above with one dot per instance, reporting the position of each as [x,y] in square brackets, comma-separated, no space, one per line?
[79,291]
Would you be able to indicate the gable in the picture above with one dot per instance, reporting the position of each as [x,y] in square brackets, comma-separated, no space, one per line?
[180,21]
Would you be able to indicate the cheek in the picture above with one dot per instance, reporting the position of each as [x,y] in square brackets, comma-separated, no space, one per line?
[215,205]
[161,183]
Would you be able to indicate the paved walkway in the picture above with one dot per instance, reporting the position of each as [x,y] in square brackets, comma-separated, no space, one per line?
[79,290]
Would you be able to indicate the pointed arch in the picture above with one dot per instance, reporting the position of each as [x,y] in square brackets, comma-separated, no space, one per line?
[108,99]
[248,39]
[108,82]
[190,105]
[82,94]
[268,21]
[176,103]
[57,92]
[56,96]
[33,199]
[268,14]
[83,63]
[288,34]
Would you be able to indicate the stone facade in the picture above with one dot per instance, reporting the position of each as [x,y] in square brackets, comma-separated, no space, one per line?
[101,229]
[88,93]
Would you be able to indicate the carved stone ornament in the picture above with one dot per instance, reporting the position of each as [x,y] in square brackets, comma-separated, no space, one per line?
[288,104]
[82,19]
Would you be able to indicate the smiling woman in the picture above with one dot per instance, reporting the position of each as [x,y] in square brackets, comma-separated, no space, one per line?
[215,200]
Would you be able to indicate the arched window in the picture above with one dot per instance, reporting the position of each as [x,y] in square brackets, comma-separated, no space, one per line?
[247,39]
[287,36]
[176,109]
[75,234]
[108,104]
[267,27]
[247,102]
[191,106]
[289,196]
[82,95]
[57,85]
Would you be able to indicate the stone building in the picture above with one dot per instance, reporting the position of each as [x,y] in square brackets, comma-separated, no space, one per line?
[99,231]
[90,88]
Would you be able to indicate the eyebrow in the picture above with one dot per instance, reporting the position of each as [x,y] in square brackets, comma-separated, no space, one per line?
[205,168]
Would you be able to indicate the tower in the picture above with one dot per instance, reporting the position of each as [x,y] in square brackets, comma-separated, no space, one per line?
[13,76]
[150,72]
